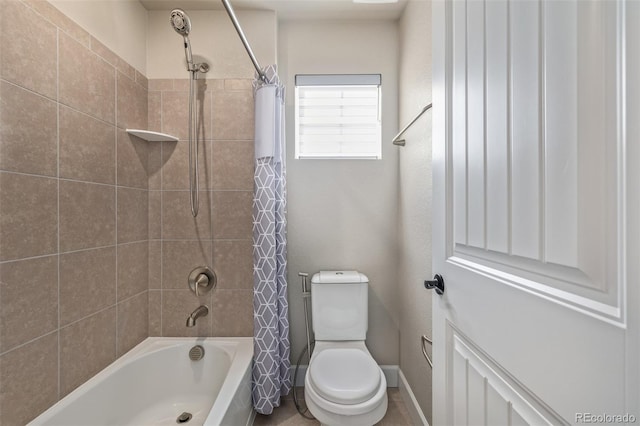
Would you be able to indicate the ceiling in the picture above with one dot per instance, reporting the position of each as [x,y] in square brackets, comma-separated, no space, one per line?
[293,9]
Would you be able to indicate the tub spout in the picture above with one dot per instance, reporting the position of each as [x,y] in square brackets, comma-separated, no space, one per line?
[199,312]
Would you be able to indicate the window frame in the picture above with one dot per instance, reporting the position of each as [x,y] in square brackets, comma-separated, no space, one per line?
[338,81]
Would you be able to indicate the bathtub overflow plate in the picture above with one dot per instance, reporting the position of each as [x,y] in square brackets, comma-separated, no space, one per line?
[184,418]
[196,353]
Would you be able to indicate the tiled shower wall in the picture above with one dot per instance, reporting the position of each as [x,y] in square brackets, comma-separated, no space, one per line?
[220,236]
[96,233]
[73,208]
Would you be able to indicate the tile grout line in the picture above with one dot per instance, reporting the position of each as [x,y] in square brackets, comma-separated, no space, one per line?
[58,201]
[115,143]
[113,185]
[106,308]
[71,251]
[161,308]
[28,342]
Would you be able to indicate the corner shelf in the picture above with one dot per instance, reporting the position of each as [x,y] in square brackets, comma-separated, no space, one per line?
[152,136]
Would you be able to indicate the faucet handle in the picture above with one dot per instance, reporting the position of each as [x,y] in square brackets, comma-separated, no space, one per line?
[202,280]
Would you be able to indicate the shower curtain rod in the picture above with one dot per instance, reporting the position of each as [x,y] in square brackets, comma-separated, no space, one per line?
[244,40]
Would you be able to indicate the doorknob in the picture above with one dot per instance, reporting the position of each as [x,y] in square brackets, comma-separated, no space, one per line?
[436,283]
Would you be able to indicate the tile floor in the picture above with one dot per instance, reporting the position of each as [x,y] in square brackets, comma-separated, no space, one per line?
[287,415]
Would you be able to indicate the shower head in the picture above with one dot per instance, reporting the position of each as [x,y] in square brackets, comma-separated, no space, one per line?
[180,22]
[182,25]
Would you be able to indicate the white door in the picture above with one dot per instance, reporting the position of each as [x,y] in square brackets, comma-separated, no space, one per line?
[536,194]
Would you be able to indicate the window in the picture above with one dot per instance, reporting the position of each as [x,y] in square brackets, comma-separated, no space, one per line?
[338,116]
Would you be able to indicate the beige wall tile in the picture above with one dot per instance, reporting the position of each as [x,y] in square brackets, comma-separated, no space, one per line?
[133,269]
[232,313]
[133,215]
[215,84]
[233,263]
[233,114]
[103,51]
[133,322]
[28,216]
[238,84]
[179,258]
[176,307]
[155,264]
[177,221]
[86,347]
[232,212]
[155,215]
[155,313]
[154,165]
[87,283]
[87,215]
[28,132]
[29,303]
[128,70]
[132,104]
[29,377]
[28,60]
[55,16]
[182,84]
[142,80]
[160,84]
[108,55]
[175,113]
[175,165]
[87,148]
[232,165]
[154,111]
[87,82]
[133,155]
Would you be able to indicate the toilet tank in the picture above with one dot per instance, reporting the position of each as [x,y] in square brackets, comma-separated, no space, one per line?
[339,306]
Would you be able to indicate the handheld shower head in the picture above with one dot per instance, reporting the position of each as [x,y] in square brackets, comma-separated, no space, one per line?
[182,25]
[180,22]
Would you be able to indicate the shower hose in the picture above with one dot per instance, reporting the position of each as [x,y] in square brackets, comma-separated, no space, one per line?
[301,410]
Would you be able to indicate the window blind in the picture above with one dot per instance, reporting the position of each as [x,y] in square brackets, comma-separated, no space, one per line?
[338,116]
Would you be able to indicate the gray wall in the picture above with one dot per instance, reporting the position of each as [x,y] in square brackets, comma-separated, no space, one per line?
[342,213]
[414,213]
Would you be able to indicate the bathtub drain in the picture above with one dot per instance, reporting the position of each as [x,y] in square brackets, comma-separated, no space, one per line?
[184,418]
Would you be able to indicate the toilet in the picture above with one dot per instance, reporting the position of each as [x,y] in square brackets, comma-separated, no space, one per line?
[344,385]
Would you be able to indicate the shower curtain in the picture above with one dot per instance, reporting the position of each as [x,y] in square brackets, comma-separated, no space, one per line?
[270,370]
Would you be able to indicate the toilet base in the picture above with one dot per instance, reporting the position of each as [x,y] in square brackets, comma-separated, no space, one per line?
[332,419]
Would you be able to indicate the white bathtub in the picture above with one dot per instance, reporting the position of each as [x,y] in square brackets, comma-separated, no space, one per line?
[156,381]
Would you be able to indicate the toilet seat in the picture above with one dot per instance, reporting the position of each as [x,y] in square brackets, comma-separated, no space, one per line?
[319,390]
[345,375]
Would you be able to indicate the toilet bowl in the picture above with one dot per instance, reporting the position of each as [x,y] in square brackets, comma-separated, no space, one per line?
[344,385]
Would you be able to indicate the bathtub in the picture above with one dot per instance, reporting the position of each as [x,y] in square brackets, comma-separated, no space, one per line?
[156,382]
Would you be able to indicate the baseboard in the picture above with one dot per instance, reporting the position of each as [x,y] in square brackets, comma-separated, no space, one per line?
[390,373]
[302,372]
[410,401]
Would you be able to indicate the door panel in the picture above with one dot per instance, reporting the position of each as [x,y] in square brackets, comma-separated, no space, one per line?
[532,196]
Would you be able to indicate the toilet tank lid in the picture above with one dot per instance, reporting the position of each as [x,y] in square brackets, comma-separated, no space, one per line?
[335,277]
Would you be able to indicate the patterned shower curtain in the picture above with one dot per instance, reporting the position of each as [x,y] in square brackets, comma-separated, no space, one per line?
[271,347]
